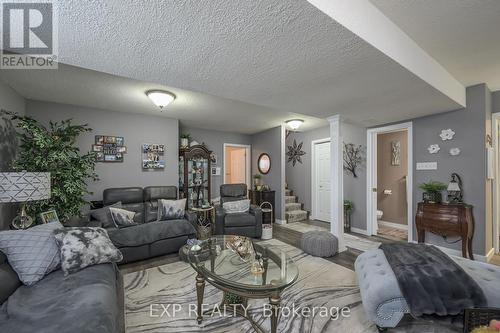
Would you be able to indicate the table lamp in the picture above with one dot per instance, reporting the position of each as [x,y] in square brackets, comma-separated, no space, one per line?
[24,187]
[455,194]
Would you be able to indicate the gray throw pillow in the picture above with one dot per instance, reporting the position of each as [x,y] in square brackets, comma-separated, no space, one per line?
[83,247]
[32,253]
[239,206]
[171,209]
[103,215]
[122,218]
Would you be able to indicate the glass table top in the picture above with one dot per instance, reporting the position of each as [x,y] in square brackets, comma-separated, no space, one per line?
[237,262]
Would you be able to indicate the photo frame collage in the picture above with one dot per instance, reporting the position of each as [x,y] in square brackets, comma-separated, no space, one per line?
[109,148]
[152,156]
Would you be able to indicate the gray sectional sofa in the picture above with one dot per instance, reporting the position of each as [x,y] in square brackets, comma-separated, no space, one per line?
[150,238]
[88,301]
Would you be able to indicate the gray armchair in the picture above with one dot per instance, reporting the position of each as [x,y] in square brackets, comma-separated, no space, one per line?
[247,224]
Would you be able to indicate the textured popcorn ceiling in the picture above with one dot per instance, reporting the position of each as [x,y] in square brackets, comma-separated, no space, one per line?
[463,35]
[237,65]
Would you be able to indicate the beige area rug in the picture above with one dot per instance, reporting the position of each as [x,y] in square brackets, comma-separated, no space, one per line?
[321,283]
[351,241]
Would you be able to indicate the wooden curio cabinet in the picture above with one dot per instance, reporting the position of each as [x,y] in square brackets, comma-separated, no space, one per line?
[195,175]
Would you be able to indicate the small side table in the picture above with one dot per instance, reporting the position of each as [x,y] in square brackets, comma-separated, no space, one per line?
[206,221]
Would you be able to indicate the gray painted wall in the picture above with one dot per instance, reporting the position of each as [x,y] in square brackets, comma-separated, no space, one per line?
[136,130]
[10,100]
[495,96]
[299,177]
[469,126]
[270,142]
[215,140]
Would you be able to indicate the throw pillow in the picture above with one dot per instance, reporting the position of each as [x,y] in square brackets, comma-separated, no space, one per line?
[239,206]
[32,253]
[171,209]
[83,247]
[122,218]
[103,215]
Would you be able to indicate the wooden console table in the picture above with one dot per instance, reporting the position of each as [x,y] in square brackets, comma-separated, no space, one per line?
[446,220]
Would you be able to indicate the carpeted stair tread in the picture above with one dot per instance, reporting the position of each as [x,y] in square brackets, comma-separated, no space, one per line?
[290,199]
[293,206]
[296,215]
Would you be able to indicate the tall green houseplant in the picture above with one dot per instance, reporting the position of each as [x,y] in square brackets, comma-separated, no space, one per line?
[53,149]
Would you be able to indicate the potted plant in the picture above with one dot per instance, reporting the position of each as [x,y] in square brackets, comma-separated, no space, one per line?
[432,191]
[185,138]
[348,208]
[256,180]
[53,149]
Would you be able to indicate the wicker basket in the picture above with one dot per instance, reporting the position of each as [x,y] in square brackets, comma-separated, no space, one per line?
[474,318]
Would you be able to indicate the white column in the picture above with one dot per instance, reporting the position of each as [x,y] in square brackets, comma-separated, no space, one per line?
[337,180]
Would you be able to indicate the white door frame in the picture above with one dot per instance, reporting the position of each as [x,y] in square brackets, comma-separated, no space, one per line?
[313,175]
[371,179]
[495,120]
[248,162]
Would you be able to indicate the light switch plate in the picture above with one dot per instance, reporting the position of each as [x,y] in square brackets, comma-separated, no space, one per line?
[427,166]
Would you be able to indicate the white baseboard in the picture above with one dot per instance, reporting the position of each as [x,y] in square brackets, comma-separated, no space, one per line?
[456,253]
[359,231]
[280,222]
[393,225]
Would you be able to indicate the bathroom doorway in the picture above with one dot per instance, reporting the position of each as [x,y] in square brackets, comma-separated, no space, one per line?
[390,182]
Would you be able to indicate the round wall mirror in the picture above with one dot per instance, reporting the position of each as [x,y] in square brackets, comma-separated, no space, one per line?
[264,163]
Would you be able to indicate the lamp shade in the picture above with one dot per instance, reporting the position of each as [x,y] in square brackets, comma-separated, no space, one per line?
[453,186]
[160,98]
[24,186]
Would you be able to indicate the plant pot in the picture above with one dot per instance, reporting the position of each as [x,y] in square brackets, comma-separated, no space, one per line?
[184,142]
[432,197]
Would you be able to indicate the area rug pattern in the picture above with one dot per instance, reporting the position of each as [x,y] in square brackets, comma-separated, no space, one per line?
[320,284]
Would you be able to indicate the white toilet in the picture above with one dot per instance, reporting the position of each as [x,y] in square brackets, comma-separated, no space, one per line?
[379,214]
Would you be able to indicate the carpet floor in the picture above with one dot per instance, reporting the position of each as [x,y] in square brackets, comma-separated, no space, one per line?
[321,283]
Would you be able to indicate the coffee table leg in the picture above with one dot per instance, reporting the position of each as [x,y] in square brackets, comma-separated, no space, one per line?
[275,301]
[200,289]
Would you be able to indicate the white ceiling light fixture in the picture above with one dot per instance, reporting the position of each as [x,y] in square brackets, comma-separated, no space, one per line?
[294,124]
[160,98]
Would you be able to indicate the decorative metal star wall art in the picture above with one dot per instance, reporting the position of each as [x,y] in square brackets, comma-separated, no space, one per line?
[295,153]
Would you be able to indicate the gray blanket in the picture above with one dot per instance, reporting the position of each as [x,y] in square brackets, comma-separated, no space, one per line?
[430,281]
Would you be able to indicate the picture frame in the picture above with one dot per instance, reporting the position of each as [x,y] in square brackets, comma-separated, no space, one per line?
[213,158]
[109,148]
[153,156]
[97,148]
[49,216]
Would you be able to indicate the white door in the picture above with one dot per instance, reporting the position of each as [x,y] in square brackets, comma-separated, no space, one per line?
[322,181]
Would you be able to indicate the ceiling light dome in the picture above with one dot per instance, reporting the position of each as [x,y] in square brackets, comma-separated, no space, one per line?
[160,98]
[294,124]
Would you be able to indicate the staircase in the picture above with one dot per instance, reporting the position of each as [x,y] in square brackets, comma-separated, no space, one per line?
[294,211]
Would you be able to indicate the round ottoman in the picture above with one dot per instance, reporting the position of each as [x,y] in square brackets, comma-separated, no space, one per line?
[319,243]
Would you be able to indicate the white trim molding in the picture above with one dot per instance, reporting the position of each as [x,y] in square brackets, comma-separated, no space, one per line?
[495,123]
[359,231]
[313,176]
[371,176]
[456,253]
[393,225]
[337,180]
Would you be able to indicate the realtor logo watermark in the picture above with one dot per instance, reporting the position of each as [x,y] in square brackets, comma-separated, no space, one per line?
[29,34]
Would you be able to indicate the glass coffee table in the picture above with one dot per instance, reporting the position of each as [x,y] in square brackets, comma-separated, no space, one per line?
[242,270]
